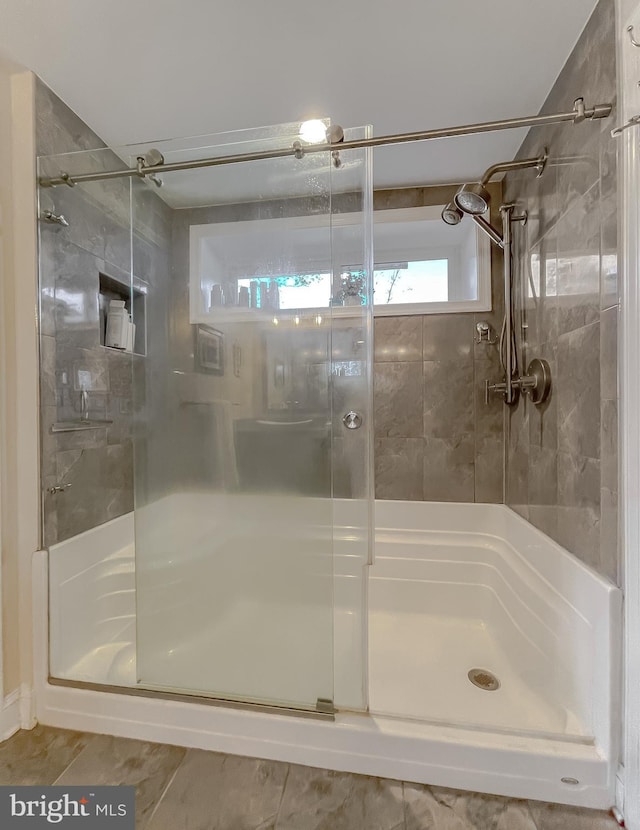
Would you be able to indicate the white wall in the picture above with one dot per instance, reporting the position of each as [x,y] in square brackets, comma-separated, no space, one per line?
[19,477]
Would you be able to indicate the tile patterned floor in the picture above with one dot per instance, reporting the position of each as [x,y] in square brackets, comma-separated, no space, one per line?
[188,789]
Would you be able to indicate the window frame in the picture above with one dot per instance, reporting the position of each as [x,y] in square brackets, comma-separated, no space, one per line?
[198,232]
[483,253]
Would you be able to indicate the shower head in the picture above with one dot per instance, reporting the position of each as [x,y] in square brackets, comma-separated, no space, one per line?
[472,198]
[452,214]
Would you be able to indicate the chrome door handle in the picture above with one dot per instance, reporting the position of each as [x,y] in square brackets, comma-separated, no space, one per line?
[352,420]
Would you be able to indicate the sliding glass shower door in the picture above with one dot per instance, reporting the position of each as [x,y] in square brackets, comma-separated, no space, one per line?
[252,418]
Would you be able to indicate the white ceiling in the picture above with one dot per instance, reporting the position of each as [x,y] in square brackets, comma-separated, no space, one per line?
[137,70]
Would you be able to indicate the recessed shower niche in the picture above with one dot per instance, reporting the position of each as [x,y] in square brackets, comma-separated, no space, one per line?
[135,300]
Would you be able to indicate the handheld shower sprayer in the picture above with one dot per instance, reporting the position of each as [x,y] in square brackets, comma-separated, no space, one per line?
[473,198]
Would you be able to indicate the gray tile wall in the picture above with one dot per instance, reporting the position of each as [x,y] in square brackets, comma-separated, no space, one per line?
[98,464]
[562,460]
[435,438]
[247,393]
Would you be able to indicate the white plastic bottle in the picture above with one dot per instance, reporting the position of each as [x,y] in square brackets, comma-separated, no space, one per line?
[117,333]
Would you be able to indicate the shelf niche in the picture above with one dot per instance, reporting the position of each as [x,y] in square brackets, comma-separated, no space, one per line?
[135,303]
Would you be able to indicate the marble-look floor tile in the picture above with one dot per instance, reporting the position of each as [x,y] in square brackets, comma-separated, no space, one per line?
[562,817]
[437,808]
[107,760]
[211,791]
[39,755]
[316,799]
[424,811]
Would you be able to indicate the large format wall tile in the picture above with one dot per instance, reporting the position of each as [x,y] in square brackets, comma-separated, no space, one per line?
[97,463]
[461,456]
[398,338]
[578,391]
[563,474]
[449,470]
[398,400]
[398,468]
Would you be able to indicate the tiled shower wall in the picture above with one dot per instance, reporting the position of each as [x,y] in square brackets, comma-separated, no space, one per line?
[562,458]
[95,466]
[435,437]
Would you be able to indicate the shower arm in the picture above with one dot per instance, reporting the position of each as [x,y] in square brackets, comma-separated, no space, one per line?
[539,163]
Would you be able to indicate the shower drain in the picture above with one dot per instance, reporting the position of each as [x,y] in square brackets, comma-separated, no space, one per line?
[484,679]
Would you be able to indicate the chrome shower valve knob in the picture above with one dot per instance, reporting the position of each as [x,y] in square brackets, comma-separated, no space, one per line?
[352,420]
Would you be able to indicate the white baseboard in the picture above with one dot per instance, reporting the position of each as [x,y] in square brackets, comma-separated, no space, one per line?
[17,712]
[10,716]
[27,708]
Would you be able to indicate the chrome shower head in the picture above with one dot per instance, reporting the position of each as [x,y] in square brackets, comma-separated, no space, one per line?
[452,214]
[472,198]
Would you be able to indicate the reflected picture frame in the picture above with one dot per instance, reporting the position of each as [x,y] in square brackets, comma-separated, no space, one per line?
[209,350]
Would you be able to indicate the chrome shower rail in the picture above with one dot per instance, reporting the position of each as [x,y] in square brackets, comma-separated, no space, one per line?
[578,114]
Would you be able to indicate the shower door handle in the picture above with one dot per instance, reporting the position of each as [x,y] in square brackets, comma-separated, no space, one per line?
[352,420]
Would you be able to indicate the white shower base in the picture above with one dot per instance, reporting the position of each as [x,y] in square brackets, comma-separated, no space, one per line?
[453,587]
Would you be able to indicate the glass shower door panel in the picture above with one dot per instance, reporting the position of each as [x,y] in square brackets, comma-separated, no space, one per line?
[352,409]
[234,512]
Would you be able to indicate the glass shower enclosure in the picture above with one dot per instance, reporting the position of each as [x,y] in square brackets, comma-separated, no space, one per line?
[248,303]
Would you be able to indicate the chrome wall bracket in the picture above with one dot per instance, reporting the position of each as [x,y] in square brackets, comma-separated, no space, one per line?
[632,122]
[58,488]
[634,42]
[484,334]
[54,218]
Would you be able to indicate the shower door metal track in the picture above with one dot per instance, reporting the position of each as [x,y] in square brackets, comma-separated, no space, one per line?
[578,114]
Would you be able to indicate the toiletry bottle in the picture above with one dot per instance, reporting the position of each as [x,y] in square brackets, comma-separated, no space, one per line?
[230,294]
[217,296]
[274,295]
[254,290]
[117,325]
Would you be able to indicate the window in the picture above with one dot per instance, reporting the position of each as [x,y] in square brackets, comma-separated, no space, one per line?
[424,266]
[421,265]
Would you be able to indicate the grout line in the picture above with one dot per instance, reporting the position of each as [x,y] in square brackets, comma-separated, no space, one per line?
[284,787]
[404,805]
[166,789]
[81,752]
